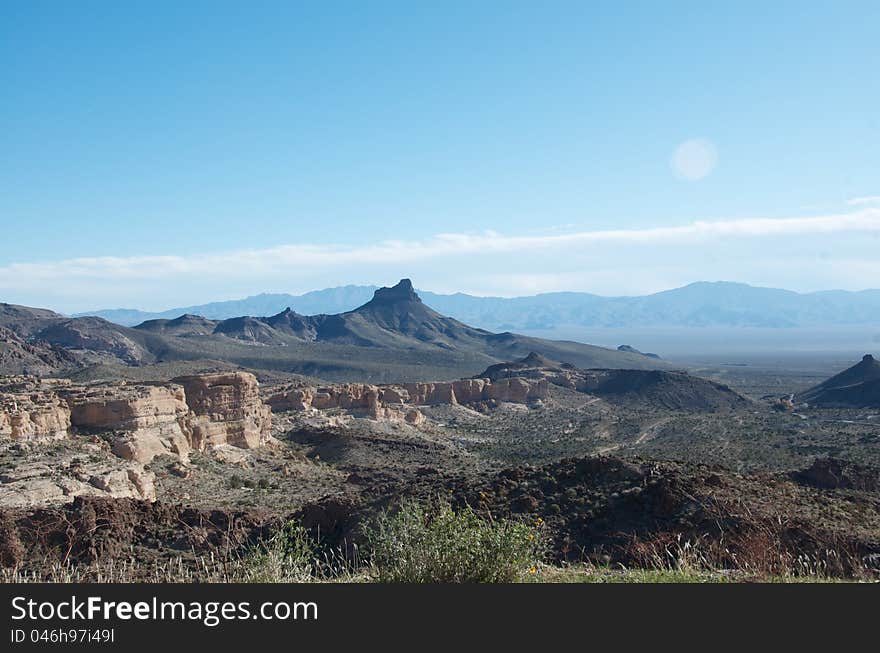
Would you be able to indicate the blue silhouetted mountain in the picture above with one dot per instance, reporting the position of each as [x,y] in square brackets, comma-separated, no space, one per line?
[701,304]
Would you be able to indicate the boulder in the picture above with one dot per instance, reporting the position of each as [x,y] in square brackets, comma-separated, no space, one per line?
[834,473]
[414,416]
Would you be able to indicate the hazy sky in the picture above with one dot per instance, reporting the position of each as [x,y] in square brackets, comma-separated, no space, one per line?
[158,154]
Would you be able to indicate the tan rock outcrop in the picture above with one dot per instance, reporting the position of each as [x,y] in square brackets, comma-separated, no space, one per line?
[30,408]
[34,416]
[131,481]
[376,402]
[36,484]
[348,396]
[228,409]
[388,401]
[393,395]
[292,398]
[468,391]
[149,420]
[427,394]
[517,390]
[33,492]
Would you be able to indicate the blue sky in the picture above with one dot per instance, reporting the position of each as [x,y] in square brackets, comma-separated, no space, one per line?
[159,154]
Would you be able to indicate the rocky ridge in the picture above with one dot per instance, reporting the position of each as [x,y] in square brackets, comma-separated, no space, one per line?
[671,390]
[189,412]
[401,401]
[855,387]
[135,422]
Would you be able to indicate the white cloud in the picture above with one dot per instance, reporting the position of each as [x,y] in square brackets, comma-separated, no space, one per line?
[546,262]
[255,262]
[694,159]
[861,201]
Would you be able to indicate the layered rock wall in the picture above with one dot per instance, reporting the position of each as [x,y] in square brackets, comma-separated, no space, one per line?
[30,408]
[375,401]
[146,420]
[227,408]
[34,416]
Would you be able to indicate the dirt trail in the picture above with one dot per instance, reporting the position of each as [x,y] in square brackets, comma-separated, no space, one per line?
[652,429]
[646,433]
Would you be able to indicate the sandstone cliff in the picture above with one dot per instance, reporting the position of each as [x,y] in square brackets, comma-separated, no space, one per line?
[390,401]
[145,420]
[119,427]
[31,410]
[228,409]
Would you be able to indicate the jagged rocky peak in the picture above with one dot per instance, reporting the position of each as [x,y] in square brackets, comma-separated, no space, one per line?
[402,292]
[286,315]
[855,387]
[535,359]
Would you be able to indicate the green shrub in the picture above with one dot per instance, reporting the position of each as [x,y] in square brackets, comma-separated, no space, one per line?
[288,556]
[442,545]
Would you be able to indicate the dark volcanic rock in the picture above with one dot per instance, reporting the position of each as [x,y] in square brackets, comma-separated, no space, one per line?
[833,473]
[671,390]
[296,325]
[856,387]
[633,350]
[36,357]
[96,529]
[185,325]
[640,512]
[663,389]
[402,292]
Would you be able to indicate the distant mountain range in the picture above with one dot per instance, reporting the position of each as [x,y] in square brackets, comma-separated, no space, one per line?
[701,304]
[392,337]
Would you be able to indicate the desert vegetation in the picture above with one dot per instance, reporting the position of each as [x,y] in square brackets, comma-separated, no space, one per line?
[435,541]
